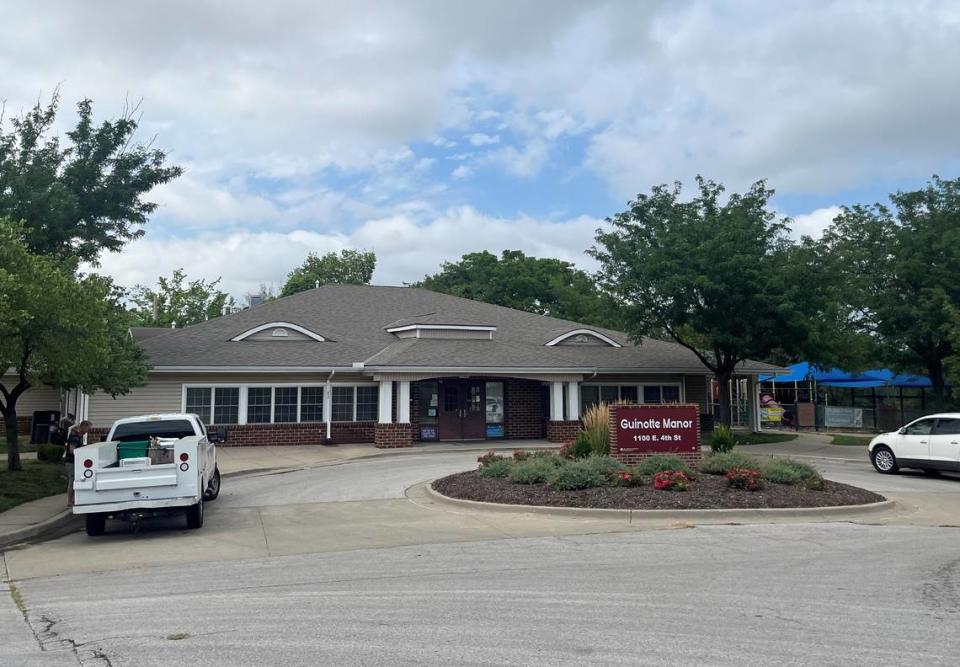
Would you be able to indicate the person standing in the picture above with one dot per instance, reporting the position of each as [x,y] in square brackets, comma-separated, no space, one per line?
[76,438]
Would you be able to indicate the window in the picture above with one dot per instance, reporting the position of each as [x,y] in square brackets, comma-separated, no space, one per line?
[198,402]
[342,404]
[285,404]
[947,427]
[311,404]
[609,393]
[628,393]
[494,402]
[226,405]
[670,393]
[922,427]
[589,396]
[367,403]
[168,428]
[258,405]
[428,402]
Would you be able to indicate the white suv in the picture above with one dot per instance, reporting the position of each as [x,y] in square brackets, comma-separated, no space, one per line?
[931,443]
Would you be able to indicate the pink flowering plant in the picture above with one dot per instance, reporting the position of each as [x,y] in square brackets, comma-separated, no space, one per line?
[671,480]
[745,479]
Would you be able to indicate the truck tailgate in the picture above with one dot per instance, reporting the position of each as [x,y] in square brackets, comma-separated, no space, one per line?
[135,478]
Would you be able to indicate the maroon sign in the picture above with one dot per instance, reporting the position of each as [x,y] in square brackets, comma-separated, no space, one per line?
[657,428]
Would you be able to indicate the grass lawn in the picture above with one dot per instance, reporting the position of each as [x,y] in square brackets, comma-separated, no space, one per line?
[852,440]
[762,438]
[24,445]
[36,480]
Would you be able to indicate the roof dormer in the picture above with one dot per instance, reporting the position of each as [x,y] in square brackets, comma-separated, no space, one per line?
[279,331]
[583,337]
[448,331]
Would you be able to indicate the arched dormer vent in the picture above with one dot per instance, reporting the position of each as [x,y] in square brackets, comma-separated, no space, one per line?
[278,331]
[584,337]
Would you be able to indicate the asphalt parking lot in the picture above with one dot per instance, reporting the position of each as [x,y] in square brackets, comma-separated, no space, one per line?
[339,564]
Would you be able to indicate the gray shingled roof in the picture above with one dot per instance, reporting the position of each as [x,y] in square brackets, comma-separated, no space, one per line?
[354,319]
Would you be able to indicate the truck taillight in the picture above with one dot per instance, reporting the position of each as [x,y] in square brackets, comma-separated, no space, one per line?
[87,474]
[88,463]
[184,456]
[184,467]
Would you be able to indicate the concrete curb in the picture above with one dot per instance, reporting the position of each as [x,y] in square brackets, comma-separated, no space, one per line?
[725,515]
[37,532]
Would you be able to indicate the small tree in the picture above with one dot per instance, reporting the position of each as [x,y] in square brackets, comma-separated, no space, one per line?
[718,278]
[177,301]
[350,267]
[59,330]
[87,196]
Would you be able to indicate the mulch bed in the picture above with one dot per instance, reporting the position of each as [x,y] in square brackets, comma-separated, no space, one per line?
[708,492]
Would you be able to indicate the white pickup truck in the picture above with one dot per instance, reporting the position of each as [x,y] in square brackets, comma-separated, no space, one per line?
[148,466]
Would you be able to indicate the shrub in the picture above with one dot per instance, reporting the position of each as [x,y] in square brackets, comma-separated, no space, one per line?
[787,471]
[578,475]
[605,465]
[596,429]
[670,480]
[520,455]
[544,454]
[659,462]
[744,479]
[499,468]
[532,471]
[488,458]
[50,453]
[580,448]
[722,440]
[720,463]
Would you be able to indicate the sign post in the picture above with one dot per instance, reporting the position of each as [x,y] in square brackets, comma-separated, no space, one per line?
[641,430]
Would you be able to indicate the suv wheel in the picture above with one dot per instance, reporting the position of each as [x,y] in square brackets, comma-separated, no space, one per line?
[883,460]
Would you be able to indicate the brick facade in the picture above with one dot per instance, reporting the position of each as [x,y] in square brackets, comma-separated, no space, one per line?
[23,425]
[523,410]
[565,431]
[392,436]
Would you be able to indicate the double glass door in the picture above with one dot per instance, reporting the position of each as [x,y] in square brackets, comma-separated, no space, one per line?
[462,410]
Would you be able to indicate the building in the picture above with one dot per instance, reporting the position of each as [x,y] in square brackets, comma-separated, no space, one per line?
[394,365]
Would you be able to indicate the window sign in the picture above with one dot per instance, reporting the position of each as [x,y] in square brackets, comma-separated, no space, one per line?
[494,404]
[494,430]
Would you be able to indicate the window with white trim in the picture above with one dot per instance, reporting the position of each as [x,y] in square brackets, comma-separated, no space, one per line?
[311,404]
[199,400]
[591,394]
[258,405]
[226,405]
[281,404]
[285,401]
[368,407]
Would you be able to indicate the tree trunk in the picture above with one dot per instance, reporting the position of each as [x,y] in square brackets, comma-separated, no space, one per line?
[13,450]
[724,417]
[935,373]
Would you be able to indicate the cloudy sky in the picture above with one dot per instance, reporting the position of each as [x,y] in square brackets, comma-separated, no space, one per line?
[425,130]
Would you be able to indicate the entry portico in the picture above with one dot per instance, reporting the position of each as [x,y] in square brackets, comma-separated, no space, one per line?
[396,365]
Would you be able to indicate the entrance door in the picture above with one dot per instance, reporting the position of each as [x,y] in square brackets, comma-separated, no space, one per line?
[462,410]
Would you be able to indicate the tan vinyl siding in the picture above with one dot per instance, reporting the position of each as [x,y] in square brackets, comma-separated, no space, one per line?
[164,391]
[38,397]
[634,378]
[696,391]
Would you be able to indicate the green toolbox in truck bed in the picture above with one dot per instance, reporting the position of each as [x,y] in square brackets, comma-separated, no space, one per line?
[132,450]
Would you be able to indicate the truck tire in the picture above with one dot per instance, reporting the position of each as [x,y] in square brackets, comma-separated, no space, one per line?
[213,488]
[195,515]
[96,523]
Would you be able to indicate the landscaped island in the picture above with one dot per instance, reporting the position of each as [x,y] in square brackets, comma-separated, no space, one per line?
[728,480]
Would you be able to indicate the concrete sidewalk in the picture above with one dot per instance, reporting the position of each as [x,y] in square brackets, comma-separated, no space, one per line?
[50,514]
[815,445]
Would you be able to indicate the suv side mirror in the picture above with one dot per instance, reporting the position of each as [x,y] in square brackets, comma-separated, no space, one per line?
[221,434]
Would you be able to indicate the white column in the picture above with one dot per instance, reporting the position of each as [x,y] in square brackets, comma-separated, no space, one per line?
[328,408]
[753,394]
[386,402]
[573,401]
[403,401]
[556,401]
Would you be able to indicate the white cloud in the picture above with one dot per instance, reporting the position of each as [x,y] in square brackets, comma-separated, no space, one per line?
[815,222]
[409,244]
[481,139]
[462,172]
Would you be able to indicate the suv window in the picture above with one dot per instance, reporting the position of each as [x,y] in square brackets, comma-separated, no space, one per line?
[135,431]
[922,427]
[947,427]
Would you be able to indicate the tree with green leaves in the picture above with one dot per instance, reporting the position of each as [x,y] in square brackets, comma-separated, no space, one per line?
[899,265]
[58,329]
[350,267]
[718,276]
[79,197]
[178,301]
[534,284]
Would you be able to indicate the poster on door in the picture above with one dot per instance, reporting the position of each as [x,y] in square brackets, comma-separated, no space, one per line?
[643,429]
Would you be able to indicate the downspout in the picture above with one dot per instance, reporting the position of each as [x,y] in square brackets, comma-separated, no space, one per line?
[328,398]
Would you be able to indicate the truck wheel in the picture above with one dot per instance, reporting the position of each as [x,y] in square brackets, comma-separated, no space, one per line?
[96,523]
[213,488]
[195,515]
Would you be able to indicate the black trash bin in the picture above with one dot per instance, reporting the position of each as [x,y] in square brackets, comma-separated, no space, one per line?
[43,425]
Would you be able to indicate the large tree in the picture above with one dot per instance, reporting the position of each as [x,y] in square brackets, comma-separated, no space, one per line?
[58,329]
[177,301]
[534,284]
[899,266]
[350,267]
[717,275]
[84,195]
